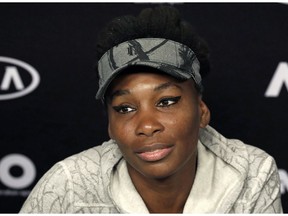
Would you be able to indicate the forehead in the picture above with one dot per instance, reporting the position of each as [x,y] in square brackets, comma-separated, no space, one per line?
[146,79]
[134,75]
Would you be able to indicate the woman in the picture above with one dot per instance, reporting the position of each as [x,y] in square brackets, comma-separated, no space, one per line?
[163,157]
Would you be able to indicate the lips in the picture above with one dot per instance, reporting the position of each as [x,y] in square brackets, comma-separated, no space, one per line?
[154,152]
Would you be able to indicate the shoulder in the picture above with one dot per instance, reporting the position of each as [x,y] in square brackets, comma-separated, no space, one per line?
[92,165]
[243,157]
[98,157]
[72,180]
[257,170]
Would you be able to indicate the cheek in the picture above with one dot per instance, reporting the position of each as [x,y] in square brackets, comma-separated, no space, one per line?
[122,135]
[184,124]
[119,130]
[188,130]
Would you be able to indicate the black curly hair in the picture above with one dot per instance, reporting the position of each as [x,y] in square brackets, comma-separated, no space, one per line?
[159,22]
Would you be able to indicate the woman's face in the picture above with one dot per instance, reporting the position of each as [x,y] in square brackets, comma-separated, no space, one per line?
[155,121]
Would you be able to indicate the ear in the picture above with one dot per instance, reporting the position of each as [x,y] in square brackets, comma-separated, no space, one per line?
[204,114]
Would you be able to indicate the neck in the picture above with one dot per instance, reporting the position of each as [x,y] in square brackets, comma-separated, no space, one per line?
[165,195]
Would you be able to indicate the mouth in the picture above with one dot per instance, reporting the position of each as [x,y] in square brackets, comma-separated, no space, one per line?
[154,152]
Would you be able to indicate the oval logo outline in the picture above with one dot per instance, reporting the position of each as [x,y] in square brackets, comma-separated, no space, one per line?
[31,70]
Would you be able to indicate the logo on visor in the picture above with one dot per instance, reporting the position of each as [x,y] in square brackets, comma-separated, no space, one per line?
[17,78]
[131,50]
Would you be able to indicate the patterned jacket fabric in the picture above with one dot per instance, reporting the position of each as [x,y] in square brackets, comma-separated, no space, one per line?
[232,177]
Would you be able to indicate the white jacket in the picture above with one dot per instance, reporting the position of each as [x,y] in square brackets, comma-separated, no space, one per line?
[231,177]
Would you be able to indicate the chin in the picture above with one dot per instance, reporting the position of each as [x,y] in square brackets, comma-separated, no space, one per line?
[158,172]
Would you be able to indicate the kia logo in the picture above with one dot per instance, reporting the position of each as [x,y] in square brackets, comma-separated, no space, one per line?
[11,78]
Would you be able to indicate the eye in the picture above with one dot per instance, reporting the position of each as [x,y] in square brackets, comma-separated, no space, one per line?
[166,102]
[123,109]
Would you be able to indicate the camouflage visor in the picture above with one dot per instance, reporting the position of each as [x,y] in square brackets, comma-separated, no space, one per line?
[168,56]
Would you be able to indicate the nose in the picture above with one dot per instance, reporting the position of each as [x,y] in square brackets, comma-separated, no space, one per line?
[148,124]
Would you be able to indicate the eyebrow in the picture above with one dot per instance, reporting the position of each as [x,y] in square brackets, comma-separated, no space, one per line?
[119,93]
[160,87]
[166,85]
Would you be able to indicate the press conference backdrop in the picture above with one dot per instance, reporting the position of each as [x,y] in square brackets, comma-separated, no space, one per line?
[48,109]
